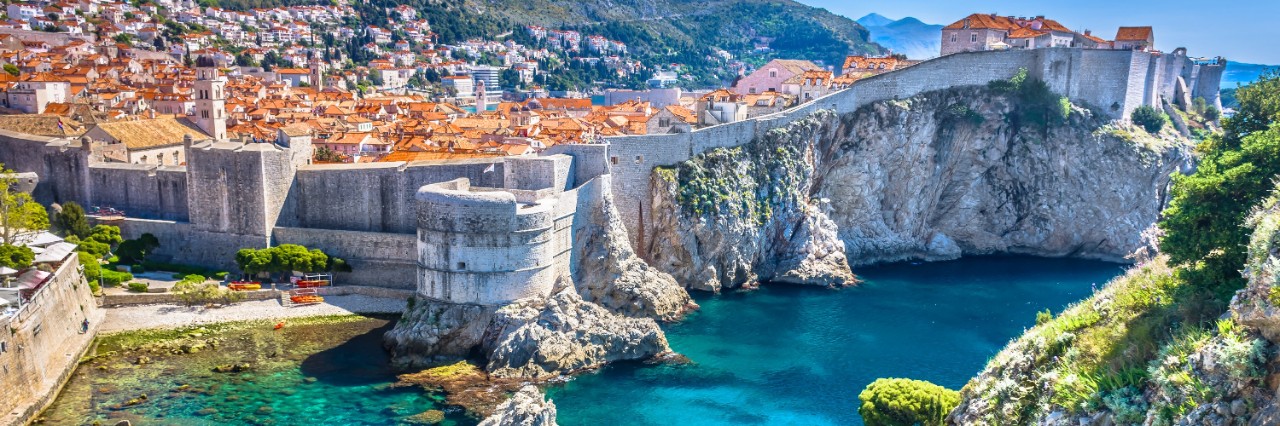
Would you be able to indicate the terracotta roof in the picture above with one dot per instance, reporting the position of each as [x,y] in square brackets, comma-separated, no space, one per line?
[1026,33]
[983,21]
[143,134]
[1133,34]
[43,125]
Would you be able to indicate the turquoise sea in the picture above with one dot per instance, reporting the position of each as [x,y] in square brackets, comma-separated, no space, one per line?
[786,355]
[780,355]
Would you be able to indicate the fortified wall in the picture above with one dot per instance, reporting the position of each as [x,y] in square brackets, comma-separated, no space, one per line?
[234,195]
[1114,81]
[43,342]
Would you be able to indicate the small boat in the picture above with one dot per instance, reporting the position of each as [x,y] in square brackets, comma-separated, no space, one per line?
[306,299]
[279,325]
[311,283]
[244,285]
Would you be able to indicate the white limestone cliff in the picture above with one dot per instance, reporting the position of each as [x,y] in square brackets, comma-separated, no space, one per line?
[931,177]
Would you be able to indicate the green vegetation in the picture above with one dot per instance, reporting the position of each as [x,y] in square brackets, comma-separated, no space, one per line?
[286,258]
[197,290]
[138,287]
[1126,350]
[16,257]
[905,402]
[71,220]
[136,250]
[1038,106]
[18,211]
[1204,225]
[1149,118]
[12,69]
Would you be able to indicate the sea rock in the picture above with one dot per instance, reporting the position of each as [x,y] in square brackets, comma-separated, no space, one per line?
[527,407]
[541,339]
[932,177]
[611,275]
[430,332]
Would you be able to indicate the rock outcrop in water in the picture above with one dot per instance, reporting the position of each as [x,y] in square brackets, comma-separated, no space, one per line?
[526,408]
[931,177]
[610,318]
[541,339]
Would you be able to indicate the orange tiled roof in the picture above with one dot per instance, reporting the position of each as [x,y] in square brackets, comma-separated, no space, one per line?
[1133,34]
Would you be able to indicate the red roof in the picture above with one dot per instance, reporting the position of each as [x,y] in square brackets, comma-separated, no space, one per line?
[1133,34]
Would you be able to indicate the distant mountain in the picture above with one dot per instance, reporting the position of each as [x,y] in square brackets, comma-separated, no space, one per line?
[874,20]
[1242,73]
[907,36]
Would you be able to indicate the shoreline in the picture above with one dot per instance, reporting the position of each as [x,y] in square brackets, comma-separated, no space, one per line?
[170,316]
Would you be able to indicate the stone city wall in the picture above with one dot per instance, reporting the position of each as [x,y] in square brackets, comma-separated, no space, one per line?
[374,197]
[376,258]
[43,342]
[144,191]
[1116,82]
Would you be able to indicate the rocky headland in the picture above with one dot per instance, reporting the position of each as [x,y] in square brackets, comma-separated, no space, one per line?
[936,176]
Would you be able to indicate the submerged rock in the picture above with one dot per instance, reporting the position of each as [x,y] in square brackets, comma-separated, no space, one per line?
[542,339]
[526,408]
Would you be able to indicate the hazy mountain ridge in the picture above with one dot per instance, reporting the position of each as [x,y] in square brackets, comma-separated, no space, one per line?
[908,36]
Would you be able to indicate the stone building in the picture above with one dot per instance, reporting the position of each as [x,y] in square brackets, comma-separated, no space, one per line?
[771,76]
[980,32]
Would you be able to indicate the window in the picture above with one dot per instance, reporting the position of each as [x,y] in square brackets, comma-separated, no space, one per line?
[664,122]
[613,160]
[773,73]
[953,37]
[973,38]
[639,159]
[462,266]
[752,91]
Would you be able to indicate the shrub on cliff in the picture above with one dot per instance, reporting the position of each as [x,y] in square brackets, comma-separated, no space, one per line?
[1149,118]
[894,402]
[1038,105]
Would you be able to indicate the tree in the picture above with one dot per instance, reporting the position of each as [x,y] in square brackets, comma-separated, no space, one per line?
[18,211]
[123,38]
[71,220]
[106,234]
[16,257]
[1212,113]
[253,261]
[136,250]
[906,402]
[510,78]
[1149,118]
[1204,225]
[12,69]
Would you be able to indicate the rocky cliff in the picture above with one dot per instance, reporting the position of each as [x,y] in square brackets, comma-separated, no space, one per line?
[1223,373]
[525,408]
[932,177]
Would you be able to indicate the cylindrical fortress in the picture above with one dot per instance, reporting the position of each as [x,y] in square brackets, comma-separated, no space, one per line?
[484,247]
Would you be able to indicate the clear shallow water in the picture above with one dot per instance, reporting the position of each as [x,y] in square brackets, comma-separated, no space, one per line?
[786,355]
[331,374]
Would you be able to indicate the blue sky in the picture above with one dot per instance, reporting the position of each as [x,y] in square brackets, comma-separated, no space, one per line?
[1243,31]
